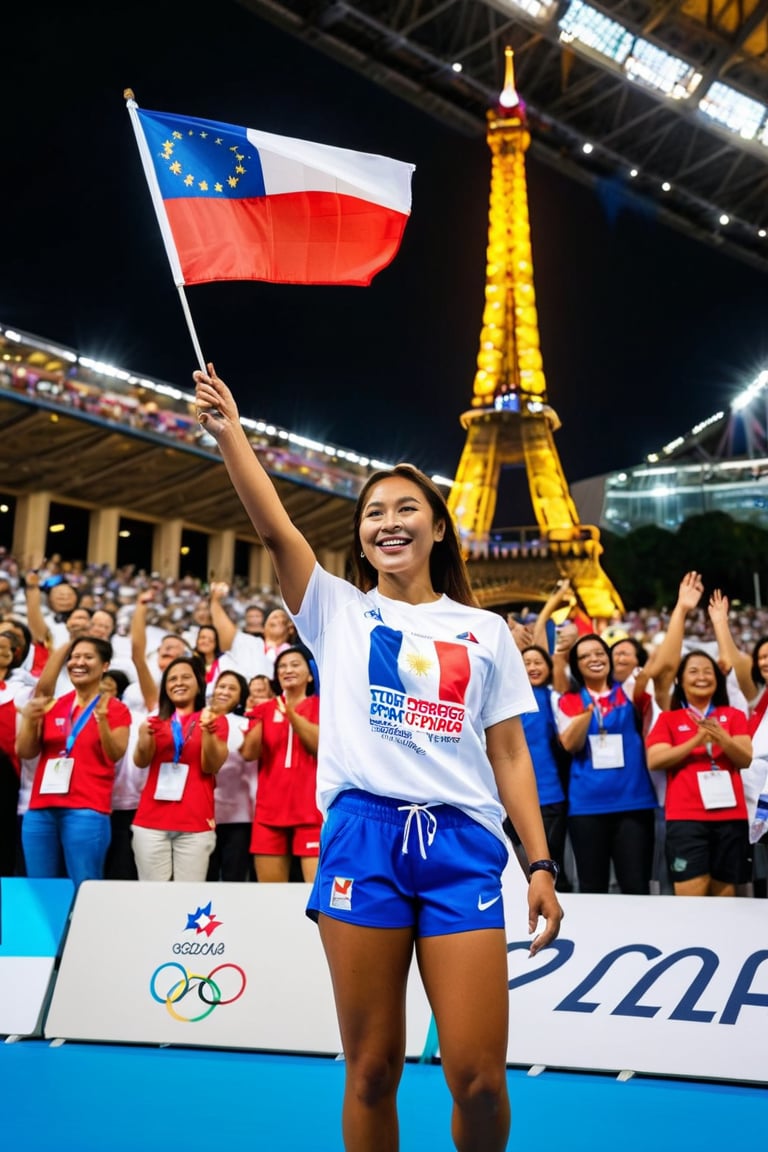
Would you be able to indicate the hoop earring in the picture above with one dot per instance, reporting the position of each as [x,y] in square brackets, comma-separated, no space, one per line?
[362,554]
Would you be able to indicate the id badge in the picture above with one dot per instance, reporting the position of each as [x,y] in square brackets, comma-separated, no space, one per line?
[716,789]
[57,774]
[171,780]
[607,749]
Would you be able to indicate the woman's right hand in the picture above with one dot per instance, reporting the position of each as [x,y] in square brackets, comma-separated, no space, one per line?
[35,709]
[718,607]
[215,404]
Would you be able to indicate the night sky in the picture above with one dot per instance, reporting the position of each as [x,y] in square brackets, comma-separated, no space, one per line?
[644,331]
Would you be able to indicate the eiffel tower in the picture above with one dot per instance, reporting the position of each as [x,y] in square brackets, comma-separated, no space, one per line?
[510,422]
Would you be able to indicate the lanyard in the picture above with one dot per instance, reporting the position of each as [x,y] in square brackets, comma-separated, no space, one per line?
[598,712]
[697,714]
[179,739]
[82,720]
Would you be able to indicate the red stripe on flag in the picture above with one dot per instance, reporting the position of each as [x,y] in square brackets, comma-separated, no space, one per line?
[454,670]
[295,238]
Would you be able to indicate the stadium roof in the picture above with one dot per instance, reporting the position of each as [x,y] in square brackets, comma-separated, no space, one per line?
[670,96]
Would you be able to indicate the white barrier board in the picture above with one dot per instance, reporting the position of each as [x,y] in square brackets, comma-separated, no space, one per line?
[220,965]
[660,985]
[657,984]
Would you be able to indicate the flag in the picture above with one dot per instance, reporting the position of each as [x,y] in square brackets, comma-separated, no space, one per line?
[239,204]
[421,668]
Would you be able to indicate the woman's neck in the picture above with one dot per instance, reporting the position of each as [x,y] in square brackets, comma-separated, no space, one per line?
[699,704]
[294,696]
[598,687]
[84,696]
[416,591]
[183,709]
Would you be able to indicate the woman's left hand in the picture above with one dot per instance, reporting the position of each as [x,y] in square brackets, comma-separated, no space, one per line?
[543,902]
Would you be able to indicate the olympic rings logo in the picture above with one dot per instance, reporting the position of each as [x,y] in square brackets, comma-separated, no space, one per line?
[208,990]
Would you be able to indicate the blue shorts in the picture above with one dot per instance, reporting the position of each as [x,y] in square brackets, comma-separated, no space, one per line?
[388,863]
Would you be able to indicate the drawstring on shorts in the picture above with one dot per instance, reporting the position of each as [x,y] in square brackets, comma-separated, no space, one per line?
[417,811]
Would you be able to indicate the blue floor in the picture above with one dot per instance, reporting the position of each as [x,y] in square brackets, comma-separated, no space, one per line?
[109,1098]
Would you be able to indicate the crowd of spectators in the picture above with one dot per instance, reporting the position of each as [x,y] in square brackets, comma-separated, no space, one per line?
[186,607]
[176,603]
[170,413]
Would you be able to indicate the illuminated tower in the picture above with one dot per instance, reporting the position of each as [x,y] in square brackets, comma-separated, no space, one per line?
[510,422]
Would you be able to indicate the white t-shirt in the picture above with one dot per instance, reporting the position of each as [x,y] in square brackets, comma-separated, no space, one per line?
[406,693]
[755,776]
[249,657]
[235,793]
[129,778]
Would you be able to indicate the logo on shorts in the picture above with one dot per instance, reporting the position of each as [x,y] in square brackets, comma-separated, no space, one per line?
[341,893]
[483,904]
[679,865]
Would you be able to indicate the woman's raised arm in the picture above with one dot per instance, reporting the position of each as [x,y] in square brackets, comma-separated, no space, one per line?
[292,557]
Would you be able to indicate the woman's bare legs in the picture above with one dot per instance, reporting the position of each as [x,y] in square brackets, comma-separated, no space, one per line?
[369,971]
[704,886]
[272,869]
[466,979]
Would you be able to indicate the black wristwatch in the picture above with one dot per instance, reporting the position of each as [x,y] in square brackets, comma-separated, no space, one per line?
[544,866]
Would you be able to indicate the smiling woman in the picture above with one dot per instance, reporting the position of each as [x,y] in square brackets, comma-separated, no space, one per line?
[184,745]
[421,754]
[283,737]
[611,800]
[78,738]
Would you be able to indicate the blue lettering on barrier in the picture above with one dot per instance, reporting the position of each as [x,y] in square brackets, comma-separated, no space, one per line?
[190,948]
[561,950]
[629,1006]
[573,1001]
[740,995]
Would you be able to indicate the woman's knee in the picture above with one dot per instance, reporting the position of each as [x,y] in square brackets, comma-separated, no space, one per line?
[373,1078]
[481,1091]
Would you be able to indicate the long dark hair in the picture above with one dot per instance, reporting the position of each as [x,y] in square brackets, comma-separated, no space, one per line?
[641,652]
[165,708]
[102,647]
[313,684]
[23,647]
[720,694]
[757,676]
[217,644]
[447,568]
[242,683]
[545,657]
[573,659]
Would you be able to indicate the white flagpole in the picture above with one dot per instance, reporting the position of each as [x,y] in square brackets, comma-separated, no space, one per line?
[162,219]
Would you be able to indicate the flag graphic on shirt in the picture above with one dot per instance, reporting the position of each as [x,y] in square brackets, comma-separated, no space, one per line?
[417,667]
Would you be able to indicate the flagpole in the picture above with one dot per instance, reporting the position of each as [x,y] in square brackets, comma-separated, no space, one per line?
[162,220]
